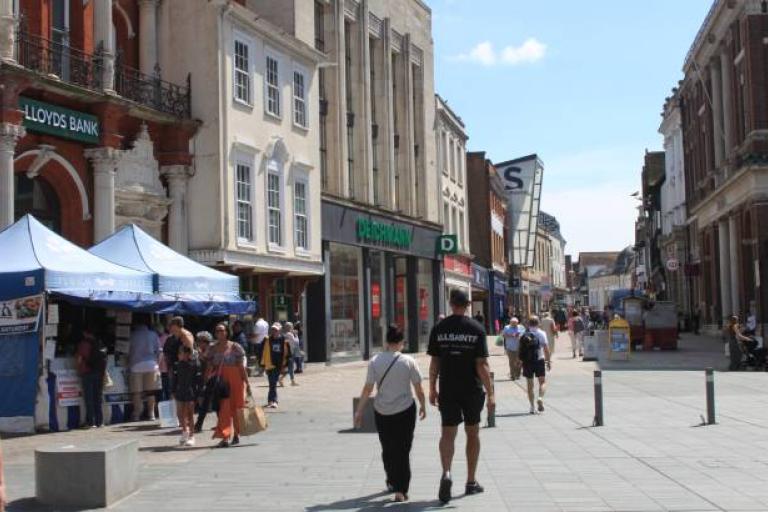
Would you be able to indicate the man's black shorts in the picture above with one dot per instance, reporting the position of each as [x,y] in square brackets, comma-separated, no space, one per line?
[538,369]
[466,408]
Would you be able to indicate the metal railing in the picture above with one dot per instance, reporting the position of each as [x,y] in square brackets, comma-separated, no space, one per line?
[76,67]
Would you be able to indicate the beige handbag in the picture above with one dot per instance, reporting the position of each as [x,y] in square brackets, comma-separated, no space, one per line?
[251,419]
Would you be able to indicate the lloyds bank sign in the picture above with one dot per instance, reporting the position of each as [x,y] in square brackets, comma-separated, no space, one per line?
[59,121]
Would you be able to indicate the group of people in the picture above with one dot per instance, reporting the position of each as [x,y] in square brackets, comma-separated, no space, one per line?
[460,386]
[200,372]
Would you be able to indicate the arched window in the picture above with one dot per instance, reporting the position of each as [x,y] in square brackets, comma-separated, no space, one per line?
[37,197]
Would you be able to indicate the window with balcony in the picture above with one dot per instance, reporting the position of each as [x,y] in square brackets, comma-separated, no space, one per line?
[242,70]
[272,85]
[60,38]
[243,200]
[299,99]
[301,222]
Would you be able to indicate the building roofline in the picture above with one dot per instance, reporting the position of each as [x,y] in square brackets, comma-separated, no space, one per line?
[442,101]
[532,156]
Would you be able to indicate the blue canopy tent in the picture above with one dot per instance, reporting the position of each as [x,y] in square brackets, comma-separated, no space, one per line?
[34,260]
[185,286]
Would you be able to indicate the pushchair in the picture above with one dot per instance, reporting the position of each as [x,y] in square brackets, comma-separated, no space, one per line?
[753,354]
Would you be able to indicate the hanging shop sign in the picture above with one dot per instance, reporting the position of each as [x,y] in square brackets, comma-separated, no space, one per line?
[379,233]
[448,244]
[59,121]
[20,316]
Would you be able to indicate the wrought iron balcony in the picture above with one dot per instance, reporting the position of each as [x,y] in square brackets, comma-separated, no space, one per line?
[73,66]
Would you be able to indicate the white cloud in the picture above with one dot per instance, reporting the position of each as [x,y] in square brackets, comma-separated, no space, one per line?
[532,50]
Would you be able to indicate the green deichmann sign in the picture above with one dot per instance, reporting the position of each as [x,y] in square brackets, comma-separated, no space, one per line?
[383,234]
[59,121]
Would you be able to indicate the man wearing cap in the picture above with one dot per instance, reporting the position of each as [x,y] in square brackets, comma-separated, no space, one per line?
[459,351]
[274,356]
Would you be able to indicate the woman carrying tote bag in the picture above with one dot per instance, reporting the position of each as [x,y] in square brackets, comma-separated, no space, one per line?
[393,374]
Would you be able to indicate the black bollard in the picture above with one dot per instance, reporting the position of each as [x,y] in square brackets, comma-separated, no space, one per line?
[710,378]
[598,421]
[492,410]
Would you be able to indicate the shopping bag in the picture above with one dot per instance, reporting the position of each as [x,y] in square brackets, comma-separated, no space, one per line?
[252,419]
[168,416]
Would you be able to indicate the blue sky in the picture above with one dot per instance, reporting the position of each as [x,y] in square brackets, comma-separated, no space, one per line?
[581,83]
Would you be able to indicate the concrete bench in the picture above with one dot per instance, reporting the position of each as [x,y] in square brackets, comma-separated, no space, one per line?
[369,420]
[87,475]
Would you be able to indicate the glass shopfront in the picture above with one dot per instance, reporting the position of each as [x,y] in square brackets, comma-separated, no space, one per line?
[425,292]
[379,300]
[401,295]
[346,299]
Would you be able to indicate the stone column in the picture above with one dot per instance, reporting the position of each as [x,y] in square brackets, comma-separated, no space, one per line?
[7,31]
[177,176]
[9,134]
[733,268]
[105,162]
[715,74]
[104,38]
[148,36]
[725,273]
[726,67]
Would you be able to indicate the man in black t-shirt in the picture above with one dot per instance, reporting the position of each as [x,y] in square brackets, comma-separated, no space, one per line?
[459,351]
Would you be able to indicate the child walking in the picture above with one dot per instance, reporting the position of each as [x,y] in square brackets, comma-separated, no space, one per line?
[187,382]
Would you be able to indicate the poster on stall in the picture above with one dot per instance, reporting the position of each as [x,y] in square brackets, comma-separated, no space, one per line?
[20,316]
[118,392]
[69,391]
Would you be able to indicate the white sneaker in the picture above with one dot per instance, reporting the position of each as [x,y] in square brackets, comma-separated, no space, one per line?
[540,402]
[532,411]
[152,417]
[183,439]
[190,441]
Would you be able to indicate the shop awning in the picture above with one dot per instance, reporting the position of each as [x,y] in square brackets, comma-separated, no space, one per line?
[188,286]
[33,259]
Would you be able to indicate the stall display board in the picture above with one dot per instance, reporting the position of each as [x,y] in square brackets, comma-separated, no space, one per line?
[619,341]
[69,390]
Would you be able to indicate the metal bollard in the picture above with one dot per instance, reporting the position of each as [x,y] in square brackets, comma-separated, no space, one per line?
[598,421]
[710,379]
[492,410]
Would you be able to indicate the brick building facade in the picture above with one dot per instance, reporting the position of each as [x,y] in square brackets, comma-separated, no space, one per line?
[90,136]
[724,106]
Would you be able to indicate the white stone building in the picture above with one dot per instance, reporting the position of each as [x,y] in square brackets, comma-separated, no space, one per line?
[451,145]
[254,197]
[673,240]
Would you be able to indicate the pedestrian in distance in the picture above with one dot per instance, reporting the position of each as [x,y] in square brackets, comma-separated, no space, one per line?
[203,339]
[91,360]
[511,335]
[577,326]
[260,333]
[275,352]
[293,343]
[238,334]
[459,365]
[143,357]
[735,339]
[226,361]
[549,326]
[393,374]
[187,384]
[178,336]
[536,359]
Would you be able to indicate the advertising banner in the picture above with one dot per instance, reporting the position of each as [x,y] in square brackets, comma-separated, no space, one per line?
[20,316]
[69,390]
[522,180]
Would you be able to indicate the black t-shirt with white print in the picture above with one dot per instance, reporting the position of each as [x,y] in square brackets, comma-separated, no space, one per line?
[458,341]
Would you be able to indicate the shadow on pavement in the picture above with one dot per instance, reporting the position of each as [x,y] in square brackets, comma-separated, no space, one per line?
[373,502]
[353,431]
[32,505]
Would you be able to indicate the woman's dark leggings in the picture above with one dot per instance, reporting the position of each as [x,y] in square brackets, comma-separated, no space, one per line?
[396,436]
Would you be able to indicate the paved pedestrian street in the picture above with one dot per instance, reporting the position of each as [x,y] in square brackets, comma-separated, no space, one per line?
[652,454]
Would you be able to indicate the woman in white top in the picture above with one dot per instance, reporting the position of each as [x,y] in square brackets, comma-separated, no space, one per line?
[393,374]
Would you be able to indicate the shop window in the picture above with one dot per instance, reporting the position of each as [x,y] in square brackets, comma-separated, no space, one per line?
[378,294]
[345,293]
[38,198]
[60,37]
[271,77]
[242,78]
[426,301]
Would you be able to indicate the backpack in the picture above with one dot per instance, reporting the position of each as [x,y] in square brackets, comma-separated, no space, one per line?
[529,347]
[578,325]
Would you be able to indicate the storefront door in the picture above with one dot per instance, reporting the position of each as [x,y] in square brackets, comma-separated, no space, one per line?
[426,305]
[378,300]
[345,299]
[401,294]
